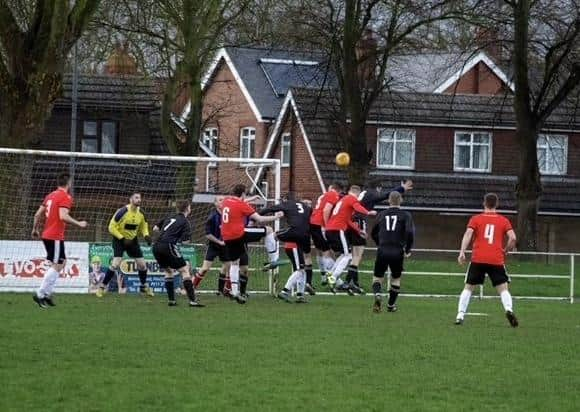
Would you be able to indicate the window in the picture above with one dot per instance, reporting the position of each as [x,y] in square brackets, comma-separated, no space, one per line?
[247,142]
[472,152]
[396,148]
[286,150]
[99,137]
[210,139]
[553,154]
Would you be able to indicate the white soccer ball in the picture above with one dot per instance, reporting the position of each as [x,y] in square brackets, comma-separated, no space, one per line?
[331,280]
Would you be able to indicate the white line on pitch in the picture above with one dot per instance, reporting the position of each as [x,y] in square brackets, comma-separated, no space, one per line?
[476,314]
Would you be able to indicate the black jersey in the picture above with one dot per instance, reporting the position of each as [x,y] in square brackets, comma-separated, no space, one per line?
[297,214]
[394,230]
[371,197]
[174,229]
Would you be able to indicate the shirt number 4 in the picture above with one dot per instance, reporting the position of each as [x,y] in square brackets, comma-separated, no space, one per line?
[489,232]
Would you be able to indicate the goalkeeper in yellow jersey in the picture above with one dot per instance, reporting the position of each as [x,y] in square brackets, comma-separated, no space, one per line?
[126,225]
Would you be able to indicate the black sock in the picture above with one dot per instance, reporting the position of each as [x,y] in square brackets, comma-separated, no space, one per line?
[393,294]
[170,288]
[188,285]
[352,275]
[377,288]
[108,276]
[308,270]
[143,277]
[243,284]
[221,282]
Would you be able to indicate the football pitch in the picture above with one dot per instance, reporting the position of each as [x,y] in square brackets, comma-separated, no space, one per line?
[136,354]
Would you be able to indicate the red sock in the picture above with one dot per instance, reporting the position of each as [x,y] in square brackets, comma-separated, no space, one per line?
[228,284]
[197,279]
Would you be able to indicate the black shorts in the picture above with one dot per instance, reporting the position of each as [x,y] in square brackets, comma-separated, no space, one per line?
[296,258]
[299,237]
[236,248]
[245,258]
[254,234]
[389,259]
[477,271]
[54,251]
[338,241]
[133,249]
[354,238]
[168,256]
[318,238]
[214,250]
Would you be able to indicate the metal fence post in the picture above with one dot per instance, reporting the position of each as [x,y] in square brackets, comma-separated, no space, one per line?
[572,272]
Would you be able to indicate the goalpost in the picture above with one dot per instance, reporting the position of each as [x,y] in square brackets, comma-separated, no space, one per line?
[102,183]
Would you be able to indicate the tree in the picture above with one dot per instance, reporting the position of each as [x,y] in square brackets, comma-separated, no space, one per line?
[35,41]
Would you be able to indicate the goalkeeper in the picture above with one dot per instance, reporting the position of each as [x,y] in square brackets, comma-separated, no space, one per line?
[126,225]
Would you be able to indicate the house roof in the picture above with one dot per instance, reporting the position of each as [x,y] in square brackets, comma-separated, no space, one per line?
[453,191]
[112,93]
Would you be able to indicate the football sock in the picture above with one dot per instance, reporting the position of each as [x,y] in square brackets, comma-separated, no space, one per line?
[143,277]
[221,282]
[352,274]
[301,282]
[272,247]
[292,280]
[463,302]
[234,279]
[228,284]
[339,266]
[188,286]
[377,288]
[48,283]
[308,270]
[108,276]
[321,263]
[506,301]
[394,294]
[199,276]
[170,288]
[329,263]
[243,283]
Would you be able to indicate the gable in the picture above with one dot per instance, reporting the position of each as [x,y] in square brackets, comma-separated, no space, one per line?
[480,79]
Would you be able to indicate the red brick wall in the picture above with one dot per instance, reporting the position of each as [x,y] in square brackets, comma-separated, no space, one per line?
[479,80]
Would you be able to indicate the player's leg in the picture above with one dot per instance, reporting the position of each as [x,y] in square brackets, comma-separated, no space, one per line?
[396,266]
[118,251]
[170,287]
[244,272]
[55,254]
[234,250]
[134,251]
[340,245]
[323,252]
[301,281]
[292,281]
[305,246]
[211,253]
[500,280]
[271,243]
[475,276]
[183,268]
[378,280]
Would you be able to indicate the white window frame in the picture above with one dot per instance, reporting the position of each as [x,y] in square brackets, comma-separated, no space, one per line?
[394,131]
[251,137]
[471,144]
[547,148]
[286,145]
[211,135]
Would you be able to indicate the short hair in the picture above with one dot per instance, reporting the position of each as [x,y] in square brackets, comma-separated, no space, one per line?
[239,190]
[63,179]
[395,198]
[491,200]
[135,192]
[354,188]
[182,205]
[336,186]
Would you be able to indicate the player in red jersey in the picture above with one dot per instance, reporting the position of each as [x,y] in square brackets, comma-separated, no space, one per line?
[336,227]
[320,215]
[55,208]
[235,234]
[488,231]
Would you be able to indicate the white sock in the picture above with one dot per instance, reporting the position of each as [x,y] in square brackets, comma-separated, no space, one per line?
[235,278]
[328,263]
[272,247]
[292,280]
[301,282]
[320,261]
[48,283]
[339,266]
[506,300]
[463,303]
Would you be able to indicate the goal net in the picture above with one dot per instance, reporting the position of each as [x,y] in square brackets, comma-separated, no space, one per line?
[102,184]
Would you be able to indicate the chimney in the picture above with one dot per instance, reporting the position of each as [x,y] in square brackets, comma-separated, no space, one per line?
[120,62]
[487,40]
[366,53]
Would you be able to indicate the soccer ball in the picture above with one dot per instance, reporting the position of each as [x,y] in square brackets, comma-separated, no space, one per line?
[331,280]
[342,159]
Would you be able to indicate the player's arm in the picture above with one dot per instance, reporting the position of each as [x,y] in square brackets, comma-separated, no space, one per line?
[252,199]
[361,209]
[115,223]
[186,233]
[512,240]
[144,230]
[64,215]
[326,212]
[263,219]
[409,235]
[465,242]
[272,209]
[37,219]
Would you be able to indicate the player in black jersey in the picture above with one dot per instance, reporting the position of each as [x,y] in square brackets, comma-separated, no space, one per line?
[394,235]
[297,215]
[173,231]
[369,198]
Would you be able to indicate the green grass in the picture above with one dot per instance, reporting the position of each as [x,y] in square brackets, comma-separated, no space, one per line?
[128,353]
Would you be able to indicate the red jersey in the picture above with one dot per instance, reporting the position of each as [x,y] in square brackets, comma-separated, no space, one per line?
[331,197]
[54,227]
[234,214]
[341,216]
[489,234]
